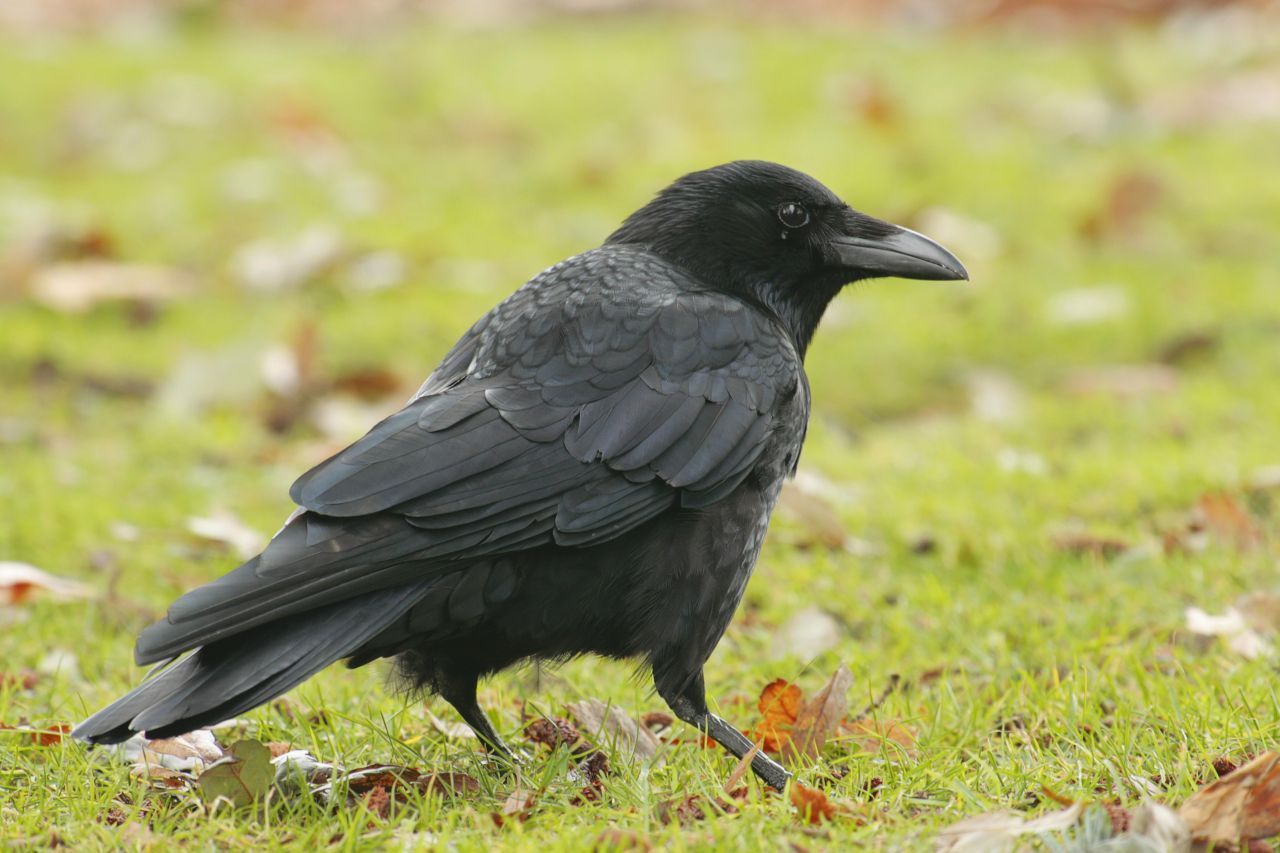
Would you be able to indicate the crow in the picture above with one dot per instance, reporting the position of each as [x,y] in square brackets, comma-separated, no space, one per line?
[590,469]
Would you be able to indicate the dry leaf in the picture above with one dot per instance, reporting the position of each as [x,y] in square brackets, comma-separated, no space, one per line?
[1243,805]
[818,718]
[245,775]
[1223,516]
[609,724]
[999,830]
[20,581]
[226,529]
[1121,380]
[519,802]
[1231,626]
[780,704]
[453,731]
[876,735]
[621,839]
[77,286]
[804,500]
[1161,825]
[1087,306]
[807,634]
[1090,544]
[813,804]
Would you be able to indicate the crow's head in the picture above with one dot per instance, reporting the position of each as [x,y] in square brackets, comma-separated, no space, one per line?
[775,235]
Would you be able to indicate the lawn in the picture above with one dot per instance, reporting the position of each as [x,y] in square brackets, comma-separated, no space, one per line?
[1012,489]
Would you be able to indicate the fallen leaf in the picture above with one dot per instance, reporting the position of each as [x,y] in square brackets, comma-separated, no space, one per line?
[453,731]
[242,777]
[223,528]
[1231,626]
[807,634]
[51,734]
[1223,516]
[25,680]
[875,735]
[377,801]
[779,704]
[1244,805]
[656,721]
[1160,825]
[1087,306]
[802,502]
[813,804]
[19,582]
[818,718]
[519,803]
[191,751]
[555,733]
[610,724]
[590,773]
[1090,544]
[621,839]
[998,830]
[75,287]
[1121,380]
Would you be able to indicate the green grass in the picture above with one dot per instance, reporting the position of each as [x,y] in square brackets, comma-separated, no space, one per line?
[496,153]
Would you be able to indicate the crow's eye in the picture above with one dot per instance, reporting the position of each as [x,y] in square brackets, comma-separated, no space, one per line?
[793,215]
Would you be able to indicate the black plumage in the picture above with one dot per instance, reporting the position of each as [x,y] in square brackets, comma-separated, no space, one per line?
[590,469]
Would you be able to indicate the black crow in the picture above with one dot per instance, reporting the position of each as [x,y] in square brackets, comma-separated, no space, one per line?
[590,469]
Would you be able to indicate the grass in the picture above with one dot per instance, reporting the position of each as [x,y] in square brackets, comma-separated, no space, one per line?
[480,157]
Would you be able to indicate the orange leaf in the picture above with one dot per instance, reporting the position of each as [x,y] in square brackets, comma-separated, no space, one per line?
[813,804]
[780,704]
[819,717]
[1245,804]
[1226,519]
[50,735]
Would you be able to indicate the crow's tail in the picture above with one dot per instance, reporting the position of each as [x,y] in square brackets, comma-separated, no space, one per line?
[232,675]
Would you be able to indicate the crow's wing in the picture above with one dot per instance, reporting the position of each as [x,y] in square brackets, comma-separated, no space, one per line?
[595,397]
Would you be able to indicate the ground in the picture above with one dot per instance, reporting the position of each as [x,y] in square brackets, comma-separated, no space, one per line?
[1024,523]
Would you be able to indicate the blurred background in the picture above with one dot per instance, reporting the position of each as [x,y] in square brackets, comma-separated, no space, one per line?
[233,235]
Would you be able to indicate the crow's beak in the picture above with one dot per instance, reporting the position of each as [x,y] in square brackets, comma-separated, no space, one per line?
[901,254]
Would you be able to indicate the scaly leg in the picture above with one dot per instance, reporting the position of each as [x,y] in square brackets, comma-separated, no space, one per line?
[690,705]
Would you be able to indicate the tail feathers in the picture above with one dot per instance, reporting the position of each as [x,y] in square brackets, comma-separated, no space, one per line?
[231,676]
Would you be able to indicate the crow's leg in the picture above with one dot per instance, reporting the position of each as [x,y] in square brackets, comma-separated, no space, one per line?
[459,690]
[690,705]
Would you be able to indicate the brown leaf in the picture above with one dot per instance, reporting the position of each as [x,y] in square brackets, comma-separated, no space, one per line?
[621,839]
[610,724]
[519,803]
[656,721]
[1223,516]
[813,804]
[823,527]
[1121,380]
[370,383]
[1243,805]
[591,772]
[818,719]
[19,582]
[555,733]
[378,801]
[24,680]
[693,808]
[1090,545]
[51,734]
[875,735]
[780,704]
[395,779]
